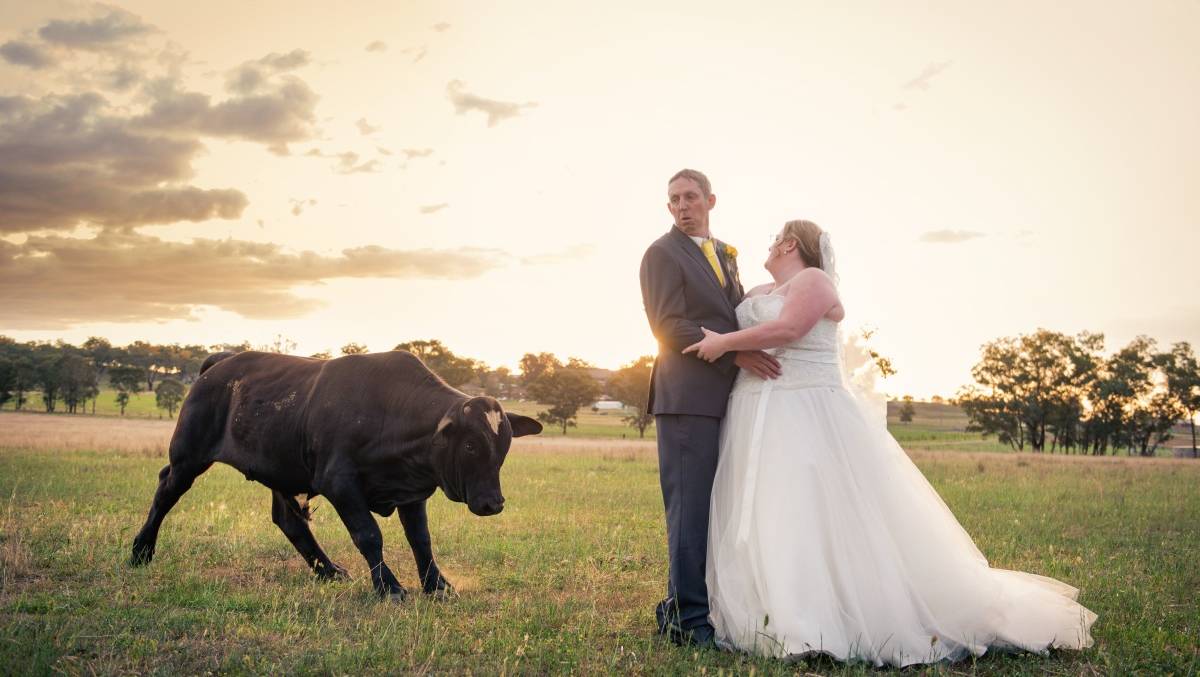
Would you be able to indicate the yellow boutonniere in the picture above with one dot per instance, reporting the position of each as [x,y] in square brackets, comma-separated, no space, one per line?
[730,251]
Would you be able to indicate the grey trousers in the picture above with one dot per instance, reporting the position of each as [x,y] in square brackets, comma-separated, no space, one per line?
[687,462]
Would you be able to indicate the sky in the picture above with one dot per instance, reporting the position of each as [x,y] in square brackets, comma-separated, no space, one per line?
[490,174]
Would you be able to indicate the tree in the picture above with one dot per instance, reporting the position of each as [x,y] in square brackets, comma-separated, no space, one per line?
[78,381]
[565,388]
[1134,397]
[498,383]
[8,378]
[631,385]
[354,349]
[49,378]
[1182,372]
[127,380]
[1029,385]
[101,352]
[146,356]
[323,355]
[281,345]
[168,395]
[533,366]
[454,370]
[24,374]
[907,410]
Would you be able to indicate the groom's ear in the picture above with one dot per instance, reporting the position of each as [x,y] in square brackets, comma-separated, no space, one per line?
[712,200]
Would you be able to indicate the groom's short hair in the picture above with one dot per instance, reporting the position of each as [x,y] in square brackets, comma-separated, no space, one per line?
[697,176]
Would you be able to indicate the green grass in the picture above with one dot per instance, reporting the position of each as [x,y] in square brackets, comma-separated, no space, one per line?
[563,581]
[141,405]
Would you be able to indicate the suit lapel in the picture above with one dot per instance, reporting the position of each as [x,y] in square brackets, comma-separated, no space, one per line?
[693,252]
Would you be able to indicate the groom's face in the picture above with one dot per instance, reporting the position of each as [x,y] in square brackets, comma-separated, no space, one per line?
[690,206]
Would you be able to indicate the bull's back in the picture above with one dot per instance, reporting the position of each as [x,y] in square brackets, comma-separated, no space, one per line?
[248,409]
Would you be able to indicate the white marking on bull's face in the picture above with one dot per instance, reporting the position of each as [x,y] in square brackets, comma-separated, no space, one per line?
[493,419]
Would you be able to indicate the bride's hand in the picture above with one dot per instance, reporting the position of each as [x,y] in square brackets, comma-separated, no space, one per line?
[709,348]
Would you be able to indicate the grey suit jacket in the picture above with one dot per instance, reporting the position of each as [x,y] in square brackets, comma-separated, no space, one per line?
[681,293]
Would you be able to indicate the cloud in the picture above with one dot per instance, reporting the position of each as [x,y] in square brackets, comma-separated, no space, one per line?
[66,160]
[347,162]
[572,253]
[252,76]
[26,54]
[56,282]
[299,205]
[410,153]
[365,128]
[921,82]
[441,27]
[123,78]
[431,209]
[383,151]
[104,33]
[417,52]
[950,236]
[496,111]
[282,114]
[377,46]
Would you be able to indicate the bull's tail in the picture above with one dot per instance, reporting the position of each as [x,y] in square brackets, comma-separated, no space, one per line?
[213,359]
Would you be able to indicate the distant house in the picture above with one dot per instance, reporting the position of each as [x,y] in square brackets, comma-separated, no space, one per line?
[608,405]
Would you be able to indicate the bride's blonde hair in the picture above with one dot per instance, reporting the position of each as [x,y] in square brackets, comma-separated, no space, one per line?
[808,240]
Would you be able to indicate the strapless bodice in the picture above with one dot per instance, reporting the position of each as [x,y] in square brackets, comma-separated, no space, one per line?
[810,361]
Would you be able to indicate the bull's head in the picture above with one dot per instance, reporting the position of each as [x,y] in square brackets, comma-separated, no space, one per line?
[469,447]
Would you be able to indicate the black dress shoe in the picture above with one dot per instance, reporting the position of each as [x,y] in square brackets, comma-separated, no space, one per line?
[700,637]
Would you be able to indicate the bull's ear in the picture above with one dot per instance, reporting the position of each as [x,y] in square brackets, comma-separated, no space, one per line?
[523,425]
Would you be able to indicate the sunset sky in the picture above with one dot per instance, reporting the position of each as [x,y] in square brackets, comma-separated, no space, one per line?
[489,174]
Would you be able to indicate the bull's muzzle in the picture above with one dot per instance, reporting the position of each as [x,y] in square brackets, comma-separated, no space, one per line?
[487,508]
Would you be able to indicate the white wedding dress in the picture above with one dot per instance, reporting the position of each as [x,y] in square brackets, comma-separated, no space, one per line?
[825,538]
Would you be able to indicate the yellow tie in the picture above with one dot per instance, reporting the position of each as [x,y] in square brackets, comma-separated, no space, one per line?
[711,255]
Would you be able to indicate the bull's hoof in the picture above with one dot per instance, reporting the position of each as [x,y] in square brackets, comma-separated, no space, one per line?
[397,596]
[442,594]
[142,555]
[333,572]
[441,589]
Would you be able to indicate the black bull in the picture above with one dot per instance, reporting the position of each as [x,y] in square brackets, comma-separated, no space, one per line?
[371,433]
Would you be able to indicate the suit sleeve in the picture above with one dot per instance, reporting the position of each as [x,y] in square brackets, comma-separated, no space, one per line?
[666,306]
[663,299]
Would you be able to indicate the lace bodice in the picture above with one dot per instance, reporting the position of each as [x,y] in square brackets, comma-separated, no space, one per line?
[810,361]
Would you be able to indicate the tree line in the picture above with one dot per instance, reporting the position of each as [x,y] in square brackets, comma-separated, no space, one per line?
[1052,392]
[68,377]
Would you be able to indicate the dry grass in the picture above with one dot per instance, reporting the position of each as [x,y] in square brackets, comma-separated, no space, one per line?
[20,430]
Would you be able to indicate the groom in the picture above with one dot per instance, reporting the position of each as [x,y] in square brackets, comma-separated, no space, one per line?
[690,280]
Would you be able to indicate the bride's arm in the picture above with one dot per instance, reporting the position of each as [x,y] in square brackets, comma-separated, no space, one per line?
[810,295]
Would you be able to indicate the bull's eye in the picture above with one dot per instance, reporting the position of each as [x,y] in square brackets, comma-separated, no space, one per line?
[470,446]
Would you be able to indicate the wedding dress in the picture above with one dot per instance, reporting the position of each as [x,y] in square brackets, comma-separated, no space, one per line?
[825,538]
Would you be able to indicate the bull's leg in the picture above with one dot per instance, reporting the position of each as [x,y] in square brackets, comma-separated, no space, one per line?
[351,506]
[416,528]
[292,520]
[173,481]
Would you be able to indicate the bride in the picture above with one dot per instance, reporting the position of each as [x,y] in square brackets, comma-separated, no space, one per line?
[824,537]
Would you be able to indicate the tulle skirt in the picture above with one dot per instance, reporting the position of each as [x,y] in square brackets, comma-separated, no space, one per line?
[825,538]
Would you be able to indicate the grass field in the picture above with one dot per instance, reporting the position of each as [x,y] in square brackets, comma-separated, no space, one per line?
[936,426]
[563,580]
[141,405]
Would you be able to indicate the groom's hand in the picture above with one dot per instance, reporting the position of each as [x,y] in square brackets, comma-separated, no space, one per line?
[758,363]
